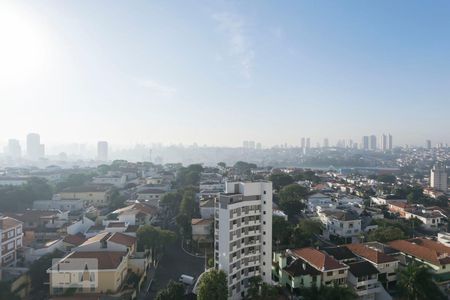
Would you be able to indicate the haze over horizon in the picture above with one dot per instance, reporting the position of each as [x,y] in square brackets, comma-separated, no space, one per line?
[220,72]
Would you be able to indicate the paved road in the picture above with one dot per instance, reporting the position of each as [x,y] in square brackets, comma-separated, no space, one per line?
[174,263]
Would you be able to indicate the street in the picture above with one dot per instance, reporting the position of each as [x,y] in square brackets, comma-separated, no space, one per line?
[174,263]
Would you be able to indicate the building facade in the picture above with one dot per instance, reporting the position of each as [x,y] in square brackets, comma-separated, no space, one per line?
[243,234]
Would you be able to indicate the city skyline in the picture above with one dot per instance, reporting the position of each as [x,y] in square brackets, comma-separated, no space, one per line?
[142,72]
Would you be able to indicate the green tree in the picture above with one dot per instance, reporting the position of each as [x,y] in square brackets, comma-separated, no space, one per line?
[259,290]
[116,200]
[244,168]
[305,231]
[415,195]
[154,239]
[213,285]
[173,291]
[387,178]
[170,203]
[16,198]
[291,198]
[386,234]
[222,164]
[281,231]
[38,270]
[73,180]
[280,180]
[415,283]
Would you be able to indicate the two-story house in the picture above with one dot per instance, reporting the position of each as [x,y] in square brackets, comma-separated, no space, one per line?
[10,239]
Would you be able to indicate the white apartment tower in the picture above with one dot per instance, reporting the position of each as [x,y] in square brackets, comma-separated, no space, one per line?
[384,142]
[243,234]
[438,178]
[102,151]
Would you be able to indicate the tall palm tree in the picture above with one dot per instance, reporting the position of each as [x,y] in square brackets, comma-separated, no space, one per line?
[416,283]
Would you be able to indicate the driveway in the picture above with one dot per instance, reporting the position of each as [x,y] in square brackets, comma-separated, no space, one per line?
[173,264]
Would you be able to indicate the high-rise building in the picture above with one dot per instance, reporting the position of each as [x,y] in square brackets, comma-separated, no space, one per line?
[438,178]
[326,143]
[258,146]
[102,151]
[303,143]
[390,145]
[428,143]
[245,144]
[383,142]
[373,142]
[13,149]
[251,144]
[243,234]
[308,143]
[35,149]
[365,142]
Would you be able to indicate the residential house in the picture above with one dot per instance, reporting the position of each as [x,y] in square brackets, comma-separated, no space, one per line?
[386,265]
[151,196]
[10,240]
[332,271]
[344,224]
[136,214]
[108,241]
[202,230]
[363,278]
[207,207]
[318,202]
[96,195]
[101,272]
[294,273]
[428,252]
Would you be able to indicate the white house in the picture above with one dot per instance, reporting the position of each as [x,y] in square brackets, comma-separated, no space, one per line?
[341,223]
[80,226]
[319,201]
[107,241]
[201,229]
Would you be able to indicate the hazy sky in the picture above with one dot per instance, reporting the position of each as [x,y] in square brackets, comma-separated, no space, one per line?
[219,72]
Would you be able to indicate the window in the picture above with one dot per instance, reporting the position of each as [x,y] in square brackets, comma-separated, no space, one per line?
[341,271]
[264,192]
[264,212]
[330,273]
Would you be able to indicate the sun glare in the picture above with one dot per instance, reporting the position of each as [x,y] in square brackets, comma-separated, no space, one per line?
[22,46]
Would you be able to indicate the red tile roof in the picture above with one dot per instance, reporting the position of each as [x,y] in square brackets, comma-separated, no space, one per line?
[318,259]
[75,239]
[370,254]
[122,239]
[427,250]
[106,259]
[8,223]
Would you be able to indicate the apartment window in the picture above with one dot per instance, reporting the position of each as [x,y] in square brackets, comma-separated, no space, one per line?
[264,243]
[265,192]
[264,233]
[264,202]
[329,273]
[264,222]
[341,271]
[264,273]
[264,263]
[264,212]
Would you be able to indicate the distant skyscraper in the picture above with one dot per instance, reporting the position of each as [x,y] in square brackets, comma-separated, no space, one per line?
[390,142]
[373,142]
[326,143]
[303,143]
[245,144]
[308,143]
[251,144]
[365,142]
[102,151]
[428,142]
[383,142]
[438,178]
[13,149]
[258,146]
[35,149]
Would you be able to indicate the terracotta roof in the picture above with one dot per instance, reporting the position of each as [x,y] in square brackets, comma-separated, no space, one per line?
[75,239]
[7,223]
[123,239]
[318,259]
[137,208]
[398,203]
[106,259]
[370,254]
[33,215]
[424,249]
[116,224]
[201,221]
